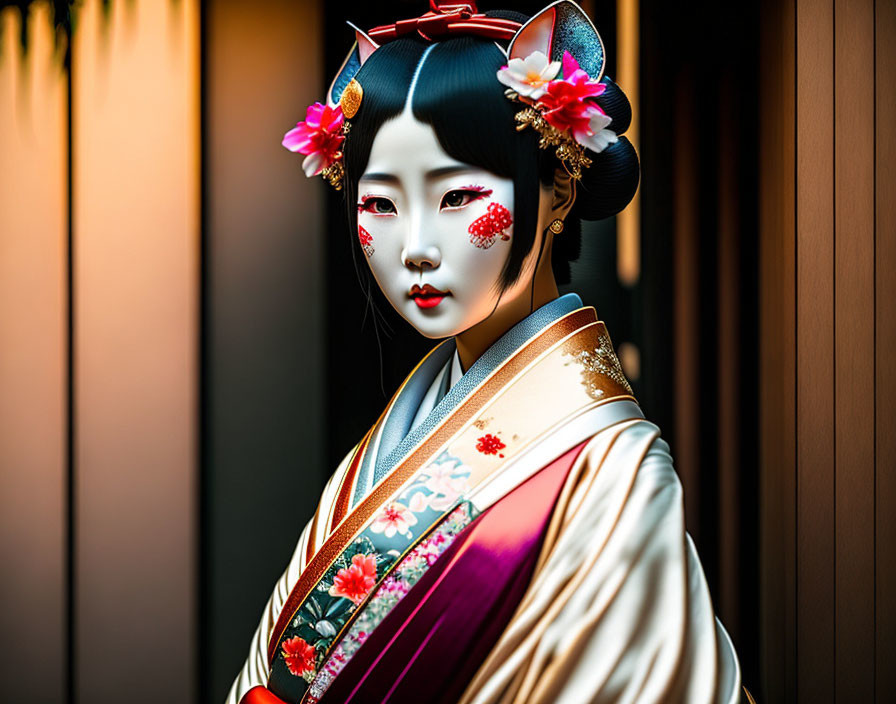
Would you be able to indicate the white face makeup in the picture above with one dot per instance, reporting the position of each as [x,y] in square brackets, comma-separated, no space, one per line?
[436,231]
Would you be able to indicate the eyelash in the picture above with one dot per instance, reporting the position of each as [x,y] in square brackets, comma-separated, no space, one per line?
[477,192]
[367,203]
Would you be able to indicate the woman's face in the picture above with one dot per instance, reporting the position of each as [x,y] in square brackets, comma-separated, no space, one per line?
[436,231]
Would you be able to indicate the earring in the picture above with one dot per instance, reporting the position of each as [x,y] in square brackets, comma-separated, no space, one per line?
[557,226]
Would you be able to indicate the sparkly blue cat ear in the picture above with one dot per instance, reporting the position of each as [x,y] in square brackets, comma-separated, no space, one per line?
[561,26]
[363,47]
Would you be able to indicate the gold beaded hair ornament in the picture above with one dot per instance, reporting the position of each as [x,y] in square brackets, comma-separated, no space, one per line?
[555,63]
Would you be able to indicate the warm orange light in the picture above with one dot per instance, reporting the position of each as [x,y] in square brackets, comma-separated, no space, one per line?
[135,185]
[33,321]
[628,222]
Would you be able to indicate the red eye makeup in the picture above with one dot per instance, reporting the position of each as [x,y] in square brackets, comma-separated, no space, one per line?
[457,198]
[376,205]
[484,231]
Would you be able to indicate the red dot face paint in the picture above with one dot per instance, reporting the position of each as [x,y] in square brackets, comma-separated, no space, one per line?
[485,230]
[366,240]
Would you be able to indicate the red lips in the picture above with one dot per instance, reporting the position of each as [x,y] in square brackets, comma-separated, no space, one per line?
[427,296]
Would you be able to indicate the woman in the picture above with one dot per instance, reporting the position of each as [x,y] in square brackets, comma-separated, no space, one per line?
[511,528]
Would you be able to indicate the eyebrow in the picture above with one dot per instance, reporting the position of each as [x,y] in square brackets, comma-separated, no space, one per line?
[431,175]
[388,178]
[449,171]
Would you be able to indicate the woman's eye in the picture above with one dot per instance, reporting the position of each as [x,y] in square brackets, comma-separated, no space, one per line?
[462,197]
[377,206]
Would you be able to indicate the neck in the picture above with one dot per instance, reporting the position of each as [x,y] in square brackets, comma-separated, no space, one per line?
[542,289]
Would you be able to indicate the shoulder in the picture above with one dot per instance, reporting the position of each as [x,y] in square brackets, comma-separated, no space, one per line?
[635,442]
[632,467]
[657,469]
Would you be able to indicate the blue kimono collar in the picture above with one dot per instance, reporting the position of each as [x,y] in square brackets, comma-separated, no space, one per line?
[395,438]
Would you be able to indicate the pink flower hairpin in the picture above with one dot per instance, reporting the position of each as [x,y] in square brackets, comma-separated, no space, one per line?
[320,137]
[562,110]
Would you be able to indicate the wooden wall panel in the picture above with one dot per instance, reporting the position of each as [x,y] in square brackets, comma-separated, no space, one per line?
[777,377]
[815,350]
[853,390]
[33,362]
[729,362]
[687,354]
[844,298]
[136,246]
[885,345]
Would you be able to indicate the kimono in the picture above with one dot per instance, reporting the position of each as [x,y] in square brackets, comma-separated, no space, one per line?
[514,533]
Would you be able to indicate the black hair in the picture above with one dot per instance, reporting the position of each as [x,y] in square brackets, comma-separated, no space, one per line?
[458,94]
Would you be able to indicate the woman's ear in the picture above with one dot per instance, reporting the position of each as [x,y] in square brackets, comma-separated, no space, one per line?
[564,194]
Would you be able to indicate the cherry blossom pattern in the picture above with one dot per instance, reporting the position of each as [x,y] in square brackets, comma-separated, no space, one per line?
[394,518]
[366,240]
[484,230]
[356,581]
[490,444]
[298,655]
[392,590]
[447,484]
[447,481]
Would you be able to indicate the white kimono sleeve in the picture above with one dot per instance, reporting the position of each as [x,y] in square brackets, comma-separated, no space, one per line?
[618,609]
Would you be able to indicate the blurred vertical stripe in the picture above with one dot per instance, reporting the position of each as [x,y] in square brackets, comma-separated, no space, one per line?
[264,405]
[136,220]
[33,360]
[628,222]
[196,315]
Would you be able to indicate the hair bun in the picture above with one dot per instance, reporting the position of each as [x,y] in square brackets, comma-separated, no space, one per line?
[609,184]
[616,105]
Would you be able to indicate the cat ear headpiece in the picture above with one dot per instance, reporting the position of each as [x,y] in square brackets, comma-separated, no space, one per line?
[560,107]
[555,63]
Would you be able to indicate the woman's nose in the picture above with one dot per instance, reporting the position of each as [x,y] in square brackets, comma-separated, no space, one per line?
[418,253]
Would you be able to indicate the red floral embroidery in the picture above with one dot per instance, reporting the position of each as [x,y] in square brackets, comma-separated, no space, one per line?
[356,581]
[299,656]
[484,230]
[490,444]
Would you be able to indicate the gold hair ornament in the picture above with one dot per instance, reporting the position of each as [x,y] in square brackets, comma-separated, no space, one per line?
[561,105]
[570,153]
[334,174]
[351,99]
